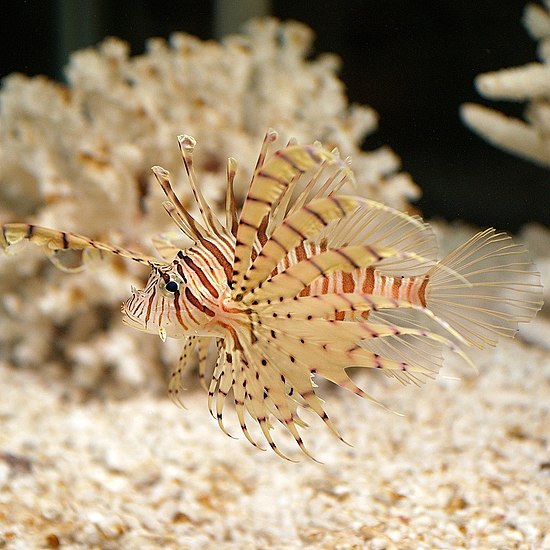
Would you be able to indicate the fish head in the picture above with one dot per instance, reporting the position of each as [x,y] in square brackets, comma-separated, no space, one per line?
[156,309]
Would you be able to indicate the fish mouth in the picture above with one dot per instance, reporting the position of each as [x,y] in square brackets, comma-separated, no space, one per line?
[129,318]
[135,322]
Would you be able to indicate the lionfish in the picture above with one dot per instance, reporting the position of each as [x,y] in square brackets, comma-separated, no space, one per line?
[306,282]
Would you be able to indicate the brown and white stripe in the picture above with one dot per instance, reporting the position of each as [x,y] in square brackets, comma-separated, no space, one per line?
[363,280]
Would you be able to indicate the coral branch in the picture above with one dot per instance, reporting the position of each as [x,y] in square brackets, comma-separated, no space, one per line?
[529,139]
[511,134]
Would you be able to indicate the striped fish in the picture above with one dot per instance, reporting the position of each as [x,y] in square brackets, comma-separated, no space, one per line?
[307,282]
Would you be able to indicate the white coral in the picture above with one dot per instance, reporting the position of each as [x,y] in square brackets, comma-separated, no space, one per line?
[78,158]
[529,138]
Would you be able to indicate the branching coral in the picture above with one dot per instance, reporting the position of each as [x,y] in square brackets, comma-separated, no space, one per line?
[530,138]
[78,157]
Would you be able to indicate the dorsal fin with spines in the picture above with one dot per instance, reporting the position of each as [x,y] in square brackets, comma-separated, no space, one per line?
[211,222]
[187,223]
[231,221]
[269,183]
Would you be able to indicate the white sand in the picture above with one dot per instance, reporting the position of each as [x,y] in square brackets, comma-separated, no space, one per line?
[469,466]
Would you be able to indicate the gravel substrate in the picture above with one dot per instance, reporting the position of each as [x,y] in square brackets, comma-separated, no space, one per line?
[468,466]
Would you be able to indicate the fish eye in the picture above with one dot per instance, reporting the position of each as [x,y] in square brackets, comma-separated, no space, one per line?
[172,286]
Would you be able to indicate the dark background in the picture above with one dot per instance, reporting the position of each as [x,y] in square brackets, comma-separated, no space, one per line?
[414,62]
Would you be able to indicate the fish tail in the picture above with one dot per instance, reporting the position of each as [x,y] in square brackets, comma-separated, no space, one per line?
[485,288]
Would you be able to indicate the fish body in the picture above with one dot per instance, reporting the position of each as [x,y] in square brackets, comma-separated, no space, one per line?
[306,282]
